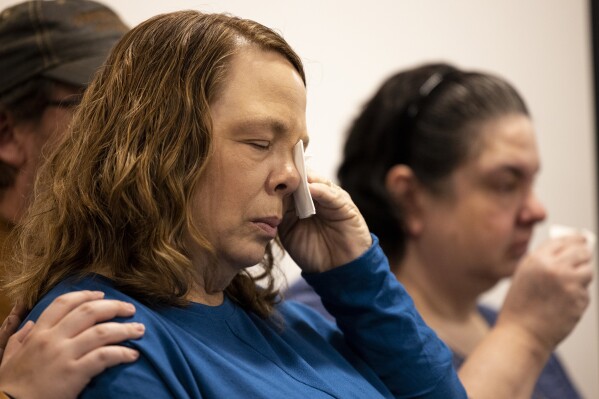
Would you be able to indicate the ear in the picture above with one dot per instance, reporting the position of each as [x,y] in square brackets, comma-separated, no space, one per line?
[11,150]
[404,189]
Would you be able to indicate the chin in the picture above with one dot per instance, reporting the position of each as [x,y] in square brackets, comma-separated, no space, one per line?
[250,257]
[234,254]
[499,270]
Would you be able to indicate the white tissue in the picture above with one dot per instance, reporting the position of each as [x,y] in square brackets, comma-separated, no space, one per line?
[304,205]
[558,230]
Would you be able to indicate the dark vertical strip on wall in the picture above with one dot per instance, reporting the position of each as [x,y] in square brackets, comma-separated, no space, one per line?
[595,43]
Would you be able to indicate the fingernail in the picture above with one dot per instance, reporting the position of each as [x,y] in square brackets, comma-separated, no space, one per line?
[130,307]
[98,294]
[140,327]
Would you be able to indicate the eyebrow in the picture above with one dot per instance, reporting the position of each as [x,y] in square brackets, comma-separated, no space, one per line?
[515,170]
[272,124]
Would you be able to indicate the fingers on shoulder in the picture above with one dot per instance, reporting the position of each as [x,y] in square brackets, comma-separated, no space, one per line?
[90,313]
[98,360]
[104,334]
[64,304]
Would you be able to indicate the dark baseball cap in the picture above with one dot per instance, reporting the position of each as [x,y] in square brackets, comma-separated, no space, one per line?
[64,40]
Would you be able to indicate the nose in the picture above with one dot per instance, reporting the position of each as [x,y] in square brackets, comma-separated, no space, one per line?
[532,210]
[284,179]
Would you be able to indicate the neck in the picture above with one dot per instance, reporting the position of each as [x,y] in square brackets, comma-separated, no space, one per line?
[437,290]
[199,295]
[212,278]
[446,300]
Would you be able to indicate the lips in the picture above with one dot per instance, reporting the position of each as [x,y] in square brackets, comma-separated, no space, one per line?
[519,248]
[269,225]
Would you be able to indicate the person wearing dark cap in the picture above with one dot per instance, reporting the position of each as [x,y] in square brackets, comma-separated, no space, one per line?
[50,51]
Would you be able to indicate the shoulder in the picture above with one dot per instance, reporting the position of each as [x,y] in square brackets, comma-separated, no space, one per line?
[154,374]
[92,282]
[151,318]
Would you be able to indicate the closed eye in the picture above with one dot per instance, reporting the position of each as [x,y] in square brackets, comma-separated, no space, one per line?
[260,144]
[507,186]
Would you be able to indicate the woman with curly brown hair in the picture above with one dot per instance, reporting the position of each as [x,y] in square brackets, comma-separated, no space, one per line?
[177,175]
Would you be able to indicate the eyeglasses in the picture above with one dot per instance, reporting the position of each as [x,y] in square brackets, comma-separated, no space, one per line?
[71,101]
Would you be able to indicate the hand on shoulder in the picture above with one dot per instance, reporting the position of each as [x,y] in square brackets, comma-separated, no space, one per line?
[57,356]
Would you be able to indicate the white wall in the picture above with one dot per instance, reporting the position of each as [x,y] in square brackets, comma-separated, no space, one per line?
[542,46]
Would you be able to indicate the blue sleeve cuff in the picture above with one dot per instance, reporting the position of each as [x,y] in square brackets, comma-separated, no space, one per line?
[373,255]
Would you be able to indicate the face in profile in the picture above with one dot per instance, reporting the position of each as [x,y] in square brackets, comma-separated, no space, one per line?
[481,227]
[258,117]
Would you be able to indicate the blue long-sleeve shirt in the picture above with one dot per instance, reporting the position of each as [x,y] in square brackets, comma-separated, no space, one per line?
[381,349]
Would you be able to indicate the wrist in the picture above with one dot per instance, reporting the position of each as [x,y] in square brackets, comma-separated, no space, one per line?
[518,359]
[525,341]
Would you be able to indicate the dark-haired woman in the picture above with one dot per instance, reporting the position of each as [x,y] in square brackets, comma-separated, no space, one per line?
[442,162]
